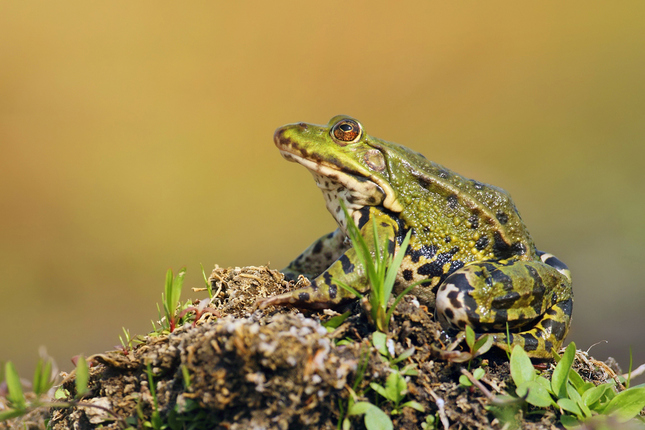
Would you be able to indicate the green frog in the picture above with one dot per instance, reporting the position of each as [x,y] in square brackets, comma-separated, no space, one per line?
[468,240]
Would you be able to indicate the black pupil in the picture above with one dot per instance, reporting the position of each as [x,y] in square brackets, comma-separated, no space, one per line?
[345,127]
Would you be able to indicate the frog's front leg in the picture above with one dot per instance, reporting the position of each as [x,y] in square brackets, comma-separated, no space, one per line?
[324,291]
[533,298]
[318,256]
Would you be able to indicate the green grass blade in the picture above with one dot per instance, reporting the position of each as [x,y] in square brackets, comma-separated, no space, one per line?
[377,246]
[395,264]
[561,373]
[168,289]
[344,286]
[177,285]
[82,376]
[335,321]
[594,394]
[629,372]
[38,374]
[11,413]
[627,404]
[522,369]
[360,246]
[379,389]
[209,287]
[570,406]
[470,337]
[403,293]
[16,395]
[42,377]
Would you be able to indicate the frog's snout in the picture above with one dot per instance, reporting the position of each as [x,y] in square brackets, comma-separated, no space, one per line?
[278,137]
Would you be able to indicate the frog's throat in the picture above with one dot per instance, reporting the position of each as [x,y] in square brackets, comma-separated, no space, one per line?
[361,190]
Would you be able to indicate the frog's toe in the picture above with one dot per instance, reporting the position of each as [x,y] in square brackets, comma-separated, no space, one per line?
[280,300]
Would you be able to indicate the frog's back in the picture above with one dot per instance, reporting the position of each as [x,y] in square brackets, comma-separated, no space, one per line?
[451,211]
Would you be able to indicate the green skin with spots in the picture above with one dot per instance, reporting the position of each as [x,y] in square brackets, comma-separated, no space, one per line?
[468,239]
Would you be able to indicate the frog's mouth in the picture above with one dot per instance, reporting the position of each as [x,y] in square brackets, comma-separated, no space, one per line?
[355,190]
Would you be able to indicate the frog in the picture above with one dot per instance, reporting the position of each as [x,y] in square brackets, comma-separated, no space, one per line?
[469,247]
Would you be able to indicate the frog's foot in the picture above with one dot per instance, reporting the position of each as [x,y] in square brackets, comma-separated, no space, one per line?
[546,335]
[303,298]
[314,295]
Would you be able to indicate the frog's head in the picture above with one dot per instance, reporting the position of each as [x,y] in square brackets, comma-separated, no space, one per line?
[346,163]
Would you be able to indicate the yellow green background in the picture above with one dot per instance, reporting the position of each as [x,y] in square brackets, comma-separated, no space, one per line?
[137,137]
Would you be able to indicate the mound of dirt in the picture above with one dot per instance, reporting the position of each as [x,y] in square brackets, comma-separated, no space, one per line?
[241,368]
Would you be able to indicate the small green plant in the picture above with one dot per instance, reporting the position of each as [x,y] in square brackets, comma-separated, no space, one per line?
[170,297]
[395,387]
[175,313]
[395,390]
[374,417]
[155,420]
[477,346]
[82,377]
[343,421]
[478,374]
[127,341]
[381,270]
[385,347]
[15,396]
[567,392]
[43,382]
[429,423]
[334,322]
[209,287]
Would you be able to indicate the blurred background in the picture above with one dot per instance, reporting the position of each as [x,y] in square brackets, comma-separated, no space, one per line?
[137,137]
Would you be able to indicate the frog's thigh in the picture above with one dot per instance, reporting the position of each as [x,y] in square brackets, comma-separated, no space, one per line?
[533,298]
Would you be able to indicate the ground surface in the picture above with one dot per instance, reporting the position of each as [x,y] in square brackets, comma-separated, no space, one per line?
[281,369]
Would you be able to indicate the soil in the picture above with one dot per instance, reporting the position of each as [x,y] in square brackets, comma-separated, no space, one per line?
[281,369]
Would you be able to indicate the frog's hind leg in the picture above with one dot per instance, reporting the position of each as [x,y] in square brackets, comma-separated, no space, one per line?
[530,299]
[324,291]
[547,334]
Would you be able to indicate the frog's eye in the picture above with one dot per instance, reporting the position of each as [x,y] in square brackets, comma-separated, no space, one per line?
[346,131]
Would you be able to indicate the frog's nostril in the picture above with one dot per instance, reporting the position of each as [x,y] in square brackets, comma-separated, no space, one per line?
[302,124]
